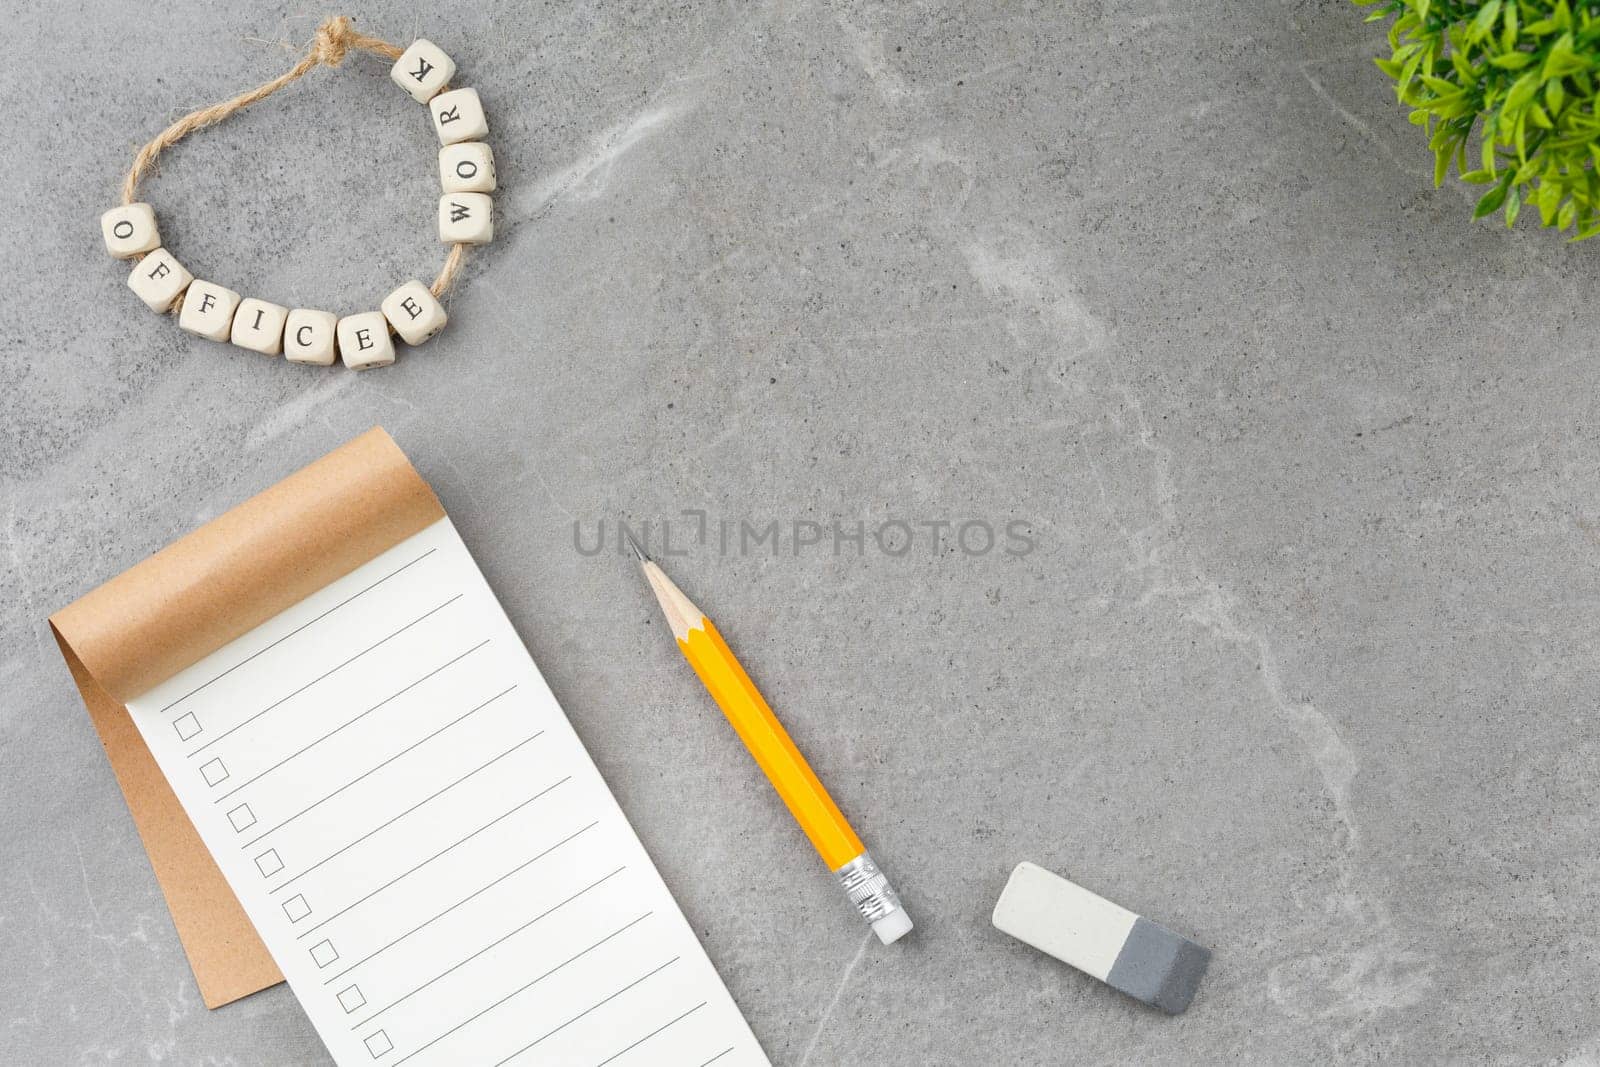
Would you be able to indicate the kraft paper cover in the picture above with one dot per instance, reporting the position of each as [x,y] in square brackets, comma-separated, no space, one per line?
[190,599]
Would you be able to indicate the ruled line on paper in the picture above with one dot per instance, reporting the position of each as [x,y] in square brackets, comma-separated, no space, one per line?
[593,1007]
[717,1057]
[664,1026]
[390,822]
[369,711]
[373,770]
[404,874]
[321,677]
[503,939]
[470,896]
[296,630]
[516,992]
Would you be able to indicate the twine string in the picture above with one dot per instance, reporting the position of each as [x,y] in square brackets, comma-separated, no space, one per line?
[333,41]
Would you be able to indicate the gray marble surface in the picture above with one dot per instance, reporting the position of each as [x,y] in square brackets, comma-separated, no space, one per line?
[1301,662]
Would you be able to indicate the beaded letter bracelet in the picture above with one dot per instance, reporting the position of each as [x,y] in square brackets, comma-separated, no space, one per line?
[304,335]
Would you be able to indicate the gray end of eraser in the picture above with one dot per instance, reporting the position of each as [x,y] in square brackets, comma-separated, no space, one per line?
[1159,967]
[1104,940]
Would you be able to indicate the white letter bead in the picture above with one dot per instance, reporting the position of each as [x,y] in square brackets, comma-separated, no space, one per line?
[258,326]
[414,312]
[208,310]
[458,116]
[466,218]
[159,280]
[467,167]
[422,70]
[364,341]
[130,230]
[308,336]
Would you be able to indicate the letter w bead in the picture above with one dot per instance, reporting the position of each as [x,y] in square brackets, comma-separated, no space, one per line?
[466,218]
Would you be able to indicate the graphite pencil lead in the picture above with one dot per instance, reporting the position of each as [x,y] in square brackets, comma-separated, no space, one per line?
[637,551]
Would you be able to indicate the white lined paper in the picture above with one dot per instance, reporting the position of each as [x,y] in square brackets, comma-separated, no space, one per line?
[421,840]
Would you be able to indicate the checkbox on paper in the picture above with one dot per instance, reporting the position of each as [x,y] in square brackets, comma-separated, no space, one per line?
[268,863]
[214,771]
[187,726]
[378,1044]
[323,953]
[242,818]
[296,908]
[351,998]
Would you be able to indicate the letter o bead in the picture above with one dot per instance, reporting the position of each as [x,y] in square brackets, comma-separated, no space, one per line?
[467,167]
[130,230]
[364,341]
[414,312]
[308,337]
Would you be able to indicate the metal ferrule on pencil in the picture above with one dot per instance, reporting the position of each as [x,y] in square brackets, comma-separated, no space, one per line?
[869,890]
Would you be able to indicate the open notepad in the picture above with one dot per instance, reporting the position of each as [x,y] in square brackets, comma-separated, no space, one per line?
[420,839]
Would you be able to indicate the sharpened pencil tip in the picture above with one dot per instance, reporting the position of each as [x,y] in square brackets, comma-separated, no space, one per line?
[637,551]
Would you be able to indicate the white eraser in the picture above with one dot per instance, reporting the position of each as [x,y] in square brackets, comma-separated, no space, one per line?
[1107,941]
[892,927]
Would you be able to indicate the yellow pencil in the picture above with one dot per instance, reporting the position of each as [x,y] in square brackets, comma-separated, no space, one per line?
[864,884]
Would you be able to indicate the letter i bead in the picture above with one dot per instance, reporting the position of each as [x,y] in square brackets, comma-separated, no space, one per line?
[258,326]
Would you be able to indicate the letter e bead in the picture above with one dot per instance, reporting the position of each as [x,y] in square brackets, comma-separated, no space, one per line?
[308,337]
[466,218]
[130,230]
[458,116]
[467,167]
[364,341]
[414,312]
[258,326]
[422,70]
[208,310]
[159,280]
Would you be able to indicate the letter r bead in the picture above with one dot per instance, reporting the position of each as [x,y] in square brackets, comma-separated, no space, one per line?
[458,116]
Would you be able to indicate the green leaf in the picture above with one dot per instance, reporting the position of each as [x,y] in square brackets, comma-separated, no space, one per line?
[1512,60]
[1554,96]
[1548,199]
[1491,201]
[1513,207]
[1522,91]
[1484,22]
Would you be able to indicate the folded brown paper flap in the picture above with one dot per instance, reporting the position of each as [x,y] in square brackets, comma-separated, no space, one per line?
[190,599]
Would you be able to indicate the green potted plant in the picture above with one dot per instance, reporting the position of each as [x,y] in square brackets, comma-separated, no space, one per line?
[1506,90]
